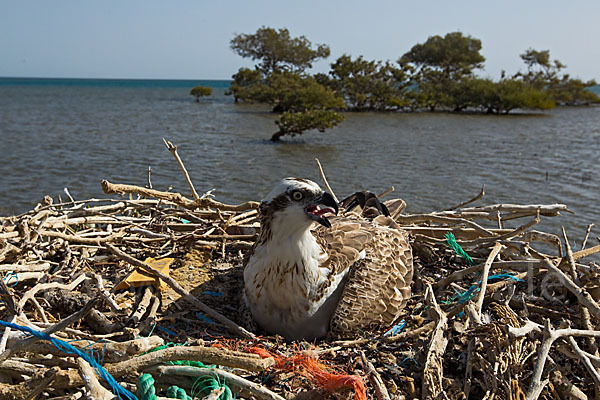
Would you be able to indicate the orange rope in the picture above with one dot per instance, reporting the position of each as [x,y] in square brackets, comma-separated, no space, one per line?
[315,371]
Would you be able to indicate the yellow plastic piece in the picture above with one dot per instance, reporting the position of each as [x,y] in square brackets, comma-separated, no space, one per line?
[139,278]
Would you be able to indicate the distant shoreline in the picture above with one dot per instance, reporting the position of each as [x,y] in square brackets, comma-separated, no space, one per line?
[109,82]
[138,82]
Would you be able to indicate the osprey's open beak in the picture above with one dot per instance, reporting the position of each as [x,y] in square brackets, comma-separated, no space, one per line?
[320,206]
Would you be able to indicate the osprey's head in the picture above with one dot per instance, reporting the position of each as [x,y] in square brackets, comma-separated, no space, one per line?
[299,202]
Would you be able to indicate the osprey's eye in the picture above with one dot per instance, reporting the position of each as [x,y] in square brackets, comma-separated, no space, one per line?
[297,195]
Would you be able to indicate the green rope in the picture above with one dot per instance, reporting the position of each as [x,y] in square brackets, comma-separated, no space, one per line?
[206,384]
[201,387]
[451,240]
[175,392]
[188,363]
[145,387]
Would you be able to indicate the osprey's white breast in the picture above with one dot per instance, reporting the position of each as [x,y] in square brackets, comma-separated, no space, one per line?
[282,280]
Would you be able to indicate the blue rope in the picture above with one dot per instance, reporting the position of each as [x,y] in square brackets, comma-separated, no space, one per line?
[69,349]
[10,276]
[393,331]
[470,292]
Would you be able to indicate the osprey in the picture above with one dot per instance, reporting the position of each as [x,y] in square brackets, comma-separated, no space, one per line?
[304,280]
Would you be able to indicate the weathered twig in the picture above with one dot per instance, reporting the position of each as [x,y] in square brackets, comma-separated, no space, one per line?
[536,384]
[586,362]
[95,389]
[324,178]
[208,355]
[582,295]
[464,203]
[484,277]
[587,235]
[83,240]
[173,149]
[177,198]
[375,379]
[433,371]
[52,285]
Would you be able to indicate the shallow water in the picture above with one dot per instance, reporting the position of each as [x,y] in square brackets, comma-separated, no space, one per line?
[57,135]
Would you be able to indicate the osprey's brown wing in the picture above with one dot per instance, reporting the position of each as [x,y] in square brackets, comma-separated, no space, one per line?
[378,284]
[343,243]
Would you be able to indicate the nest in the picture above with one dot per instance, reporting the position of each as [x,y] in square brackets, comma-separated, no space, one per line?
[496,312]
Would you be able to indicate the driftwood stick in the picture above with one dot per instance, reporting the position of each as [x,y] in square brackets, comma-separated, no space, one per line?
[39,309]
[24,267]
[112,352]
[52,285]
[456,275]
[536,384]
[385,193]
[484,277]
[433,371]
[565,387]
[585,313]
[515,232]
[177,198]
[570,259]
[529,326]
[215,394]
[325,180]
[587,235]
[231,379]
[94,388]
[105,294]
[29,389]
[464,203]
[374,377]
[564,350]
[208,355]
[182,292]
[173,149]
[583,253]
[6,334]
[418,218]
[39,385]
[537,236]
[141,307]
[82,240]
[587,362]
[531,208]
[582,295]
[469,369]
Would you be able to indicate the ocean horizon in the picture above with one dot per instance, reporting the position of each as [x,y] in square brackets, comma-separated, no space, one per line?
[133,82]
[115,82]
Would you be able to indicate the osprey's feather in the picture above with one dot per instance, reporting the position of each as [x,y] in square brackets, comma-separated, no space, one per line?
[349,274]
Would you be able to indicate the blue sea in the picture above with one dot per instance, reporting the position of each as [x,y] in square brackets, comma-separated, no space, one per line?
[72,133]
[122,83]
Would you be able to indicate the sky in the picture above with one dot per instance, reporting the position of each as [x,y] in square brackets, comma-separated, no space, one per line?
[189,39]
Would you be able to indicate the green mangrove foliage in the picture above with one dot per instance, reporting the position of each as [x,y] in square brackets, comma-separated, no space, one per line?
[440,63]
[368,85]
[277,50]
[294,123]
[200,91]
[544,74]
[439,74]
[280,81]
